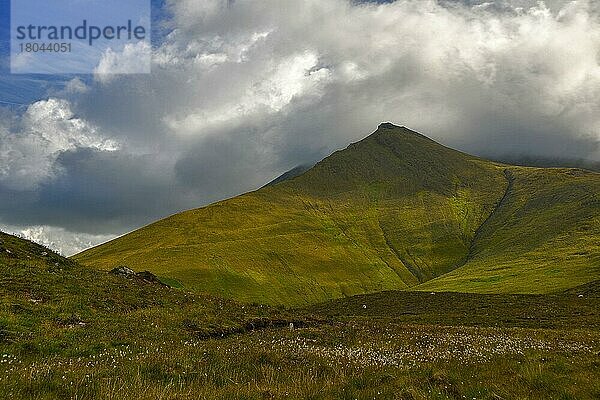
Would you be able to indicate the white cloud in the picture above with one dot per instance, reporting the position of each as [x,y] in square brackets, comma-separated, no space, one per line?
[29,147]
[76,86]
[58,239]
[426,65]
[296,76]
[132,59]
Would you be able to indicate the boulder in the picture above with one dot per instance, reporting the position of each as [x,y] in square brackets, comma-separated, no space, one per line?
[123,271]
[149,277]
[128,273]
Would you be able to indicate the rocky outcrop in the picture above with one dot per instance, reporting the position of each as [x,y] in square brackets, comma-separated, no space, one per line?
[146,276]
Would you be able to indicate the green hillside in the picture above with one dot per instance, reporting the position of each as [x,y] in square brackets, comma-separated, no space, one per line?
[49,304]
[386,213]
[390,212]
[71,332]
[543,237]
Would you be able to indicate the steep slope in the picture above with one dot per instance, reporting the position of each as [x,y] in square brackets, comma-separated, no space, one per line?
[543,237]
[388,212]
[14,250]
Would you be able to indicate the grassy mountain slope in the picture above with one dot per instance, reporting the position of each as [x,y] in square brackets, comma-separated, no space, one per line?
[70,332]
[49,304]
[388,212]
[543,237]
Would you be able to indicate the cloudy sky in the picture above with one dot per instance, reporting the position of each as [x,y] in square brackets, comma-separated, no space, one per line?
[243,90]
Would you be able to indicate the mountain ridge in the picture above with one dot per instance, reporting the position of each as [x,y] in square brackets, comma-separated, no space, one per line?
[395,210]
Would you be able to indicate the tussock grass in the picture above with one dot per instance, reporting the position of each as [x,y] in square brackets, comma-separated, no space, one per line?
[271,364]
[70,332]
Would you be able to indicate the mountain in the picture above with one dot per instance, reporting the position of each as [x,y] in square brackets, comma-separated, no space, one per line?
[550,162]
[391,212]
[292,173]
[544,236]
[16,251]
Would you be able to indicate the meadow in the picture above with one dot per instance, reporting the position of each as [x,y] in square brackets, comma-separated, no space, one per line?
[341,360]
[69,332]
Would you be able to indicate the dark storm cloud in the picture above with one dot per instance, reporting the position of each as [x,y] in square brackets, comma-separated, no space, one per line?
[96,192]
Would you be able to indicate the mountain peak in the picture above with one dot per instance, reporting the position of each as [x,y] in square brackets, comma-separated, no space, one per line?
[389,125]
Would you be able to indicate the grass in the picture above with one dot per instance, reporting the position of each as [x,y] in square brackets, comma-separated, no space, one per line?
[389,212]
[393,211]
[343,362]
[543,238]
[47,301]
[70,332]
[555,311]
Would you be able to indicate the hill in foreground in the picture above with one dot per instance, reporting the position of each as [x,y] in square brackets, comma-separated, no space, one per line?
[71,332]
[46,301]
[393,211]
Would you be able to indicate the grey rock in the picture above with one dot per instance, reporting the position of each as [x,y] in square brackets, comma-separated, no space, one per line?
[123,271]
